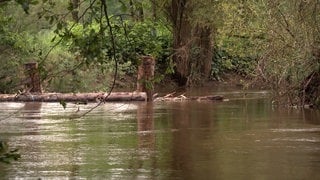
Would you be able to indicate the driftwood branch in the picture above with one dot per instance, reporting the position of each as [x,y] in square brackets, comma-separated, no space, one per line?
[182,97]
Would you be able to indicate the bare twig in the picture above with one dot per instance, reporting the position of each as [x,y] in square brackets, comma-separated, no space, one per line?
[305,87]
[287,26]
[105,10]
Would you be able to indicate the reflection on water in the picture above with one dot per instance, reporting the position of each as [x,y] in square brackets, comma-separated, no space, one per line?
[239,139]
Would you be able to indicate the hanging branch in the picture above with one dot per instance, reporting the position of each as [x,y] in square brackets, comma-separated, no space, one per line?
[48,76]
[105,10]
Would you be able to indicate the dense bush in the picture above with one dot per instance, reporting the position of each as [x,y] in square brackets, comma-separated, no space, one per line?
[223,62]
[132,40]
[15,48]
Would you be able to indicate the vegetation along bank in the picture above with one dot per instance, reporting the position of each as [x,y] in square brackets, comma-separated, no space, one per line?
[94,46]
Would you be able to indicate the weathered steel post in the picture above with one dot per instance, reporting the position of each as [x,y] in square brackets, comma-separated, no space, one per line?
[33,83]
[146,76]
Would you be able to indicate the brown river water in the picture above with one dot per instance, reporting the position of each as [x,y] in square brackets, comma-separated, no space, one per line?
[243,138]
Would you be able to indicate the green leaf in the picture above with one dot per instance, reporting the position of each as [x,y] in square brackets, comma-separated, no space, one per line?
[35,2]
[63,104]
[59,25]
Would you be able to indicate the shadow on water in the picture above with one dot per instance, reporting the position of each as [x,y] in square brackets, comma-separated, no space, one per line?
[244,138]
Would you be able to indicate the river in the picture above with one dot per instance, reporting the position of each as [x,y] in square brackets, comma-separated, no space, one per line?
[243,138]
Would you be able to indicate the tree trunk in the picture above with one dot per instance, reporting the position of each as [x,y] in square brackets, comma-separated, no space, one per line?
[192,44]
[178,12]
[203,41]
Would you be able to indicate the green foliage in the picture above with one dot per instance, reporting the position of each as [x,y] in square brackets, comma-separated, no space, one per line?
[25,4]
[277,41]
[148,38]
[224,62]
[16,47]
[240,38]
[133,39]
[207,13]
[83,59]
[290,56]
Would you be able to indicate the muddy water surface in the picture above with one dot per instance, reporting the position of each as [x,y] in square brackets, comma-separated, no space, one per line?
[243,138]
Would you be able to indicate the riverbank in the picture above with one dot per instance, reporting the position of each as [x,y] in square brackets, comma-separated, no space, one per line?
[125,91]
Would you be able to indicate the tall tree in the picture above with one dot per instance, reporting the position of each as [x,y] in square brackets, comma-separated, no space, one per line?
[193,38]
[179,11]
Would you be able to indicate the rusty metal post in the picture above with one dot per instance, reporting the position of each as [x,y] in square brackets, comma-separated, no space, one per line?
[146,76]
[33,83]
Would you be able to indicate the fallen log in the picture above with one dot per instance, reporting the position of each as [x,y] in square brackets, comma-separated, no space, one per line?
[74,97]
[182,97]
[96,97]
